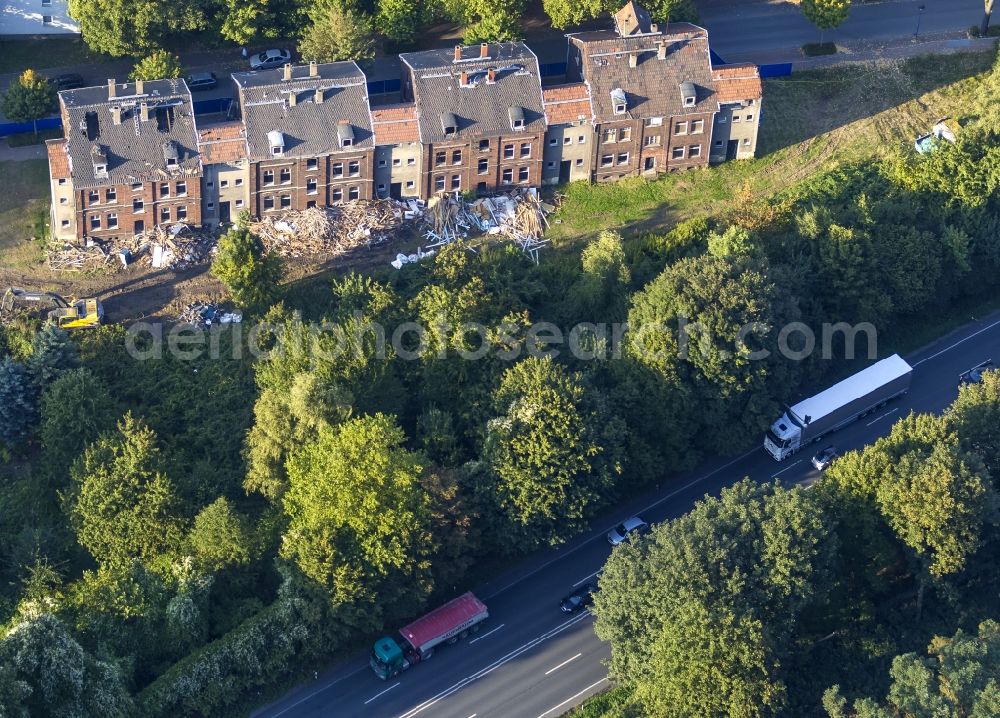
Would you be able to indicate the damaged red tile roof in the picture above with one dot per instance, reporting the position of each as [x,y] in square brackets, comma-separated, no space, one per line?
[566,103]
[394,124]
[222,142]
[58,159]
[737,82]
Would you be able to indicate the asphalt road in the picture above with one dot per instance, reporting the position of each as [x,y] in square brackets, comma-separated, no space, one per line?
[532,661]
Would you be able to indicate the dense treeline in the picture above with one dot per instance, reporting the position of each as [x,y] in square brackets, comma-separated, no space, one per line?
[767,601]
[332,29]
[180,532]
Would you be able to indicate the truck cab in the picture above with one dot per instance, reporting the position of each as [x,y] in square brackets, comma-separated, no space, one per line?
[387,658]
[783,438]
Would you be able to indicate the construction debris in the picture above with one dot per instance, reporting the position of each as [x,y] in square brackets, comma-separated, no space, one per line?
[206,314]
[330,231]
[175,247]
[79,259]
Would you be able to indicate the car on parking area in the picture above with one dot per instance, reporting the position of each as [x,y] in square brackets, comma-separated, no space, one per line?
[270,58]
[824,458]
[68,81]
[581,597]
[201,81]
[627,527]
[975,374]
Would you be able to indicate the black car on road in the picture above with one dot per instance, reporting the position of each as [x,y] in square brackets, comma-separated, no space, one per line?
[582,597]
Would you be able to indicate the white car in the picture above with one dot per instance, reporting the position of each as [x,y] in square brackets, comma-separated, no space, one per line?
[270,58]
[622,531]
[823,459]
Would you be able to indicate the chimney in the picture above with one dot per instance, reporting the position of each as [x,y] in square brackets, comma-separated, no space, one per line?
[318,97]
[313,69]
[116,114]
[138,87]
[111,88]
[458,53]
[661,51]
[464,82]
[287,77]
[292,99]
[144,111]
[491,76]
[633,59]
[484,49]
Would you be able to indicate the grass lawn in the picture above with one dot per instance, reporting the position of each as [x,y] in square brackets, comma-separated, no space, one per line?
[24,199]
[30,138]
[810,122]
[15,55]
[613,703]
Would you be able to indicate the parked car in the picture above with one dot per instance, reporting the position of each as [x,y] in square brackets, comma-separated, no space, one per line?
[270,58]
[582,597]
[975,374]
[201,81]
[68,81]
[824,458]
[629,526]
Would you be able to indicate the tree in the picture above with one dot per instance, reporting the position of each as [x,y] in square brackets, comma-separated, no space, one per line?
[701,614]
[18,402]
[158,65]
[603,285]
[123,504]
[338,34]
[825,14]
[564,13]
[133,28]
[30,98]
[247,21]
[549,470]
[220,537]
[359,521]
[492,20]
[399,20]
[57,677]
[252,276]
[52,353]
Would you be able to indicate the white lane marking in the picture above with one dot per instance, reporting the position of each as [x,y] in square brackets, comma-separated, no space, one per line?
[381,694]
[420,708]
[473,715]
[315,693]
[586,577]
[603,533]
[960,341]
[775,475]
[479,638]
[883,416]
[573,697]
[568,660]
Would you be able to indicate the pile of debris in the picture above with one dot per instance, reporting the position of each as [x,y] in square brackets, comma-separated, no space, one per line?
[175,247]
[330,231]
[205,314]
[518,215]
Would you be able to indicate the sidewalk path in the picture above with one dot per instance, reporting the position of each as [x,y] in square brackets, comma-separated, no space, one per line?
[19,154]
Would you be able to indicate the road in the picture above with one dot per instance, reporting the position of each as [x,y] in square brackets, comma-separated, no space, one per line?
[532,661]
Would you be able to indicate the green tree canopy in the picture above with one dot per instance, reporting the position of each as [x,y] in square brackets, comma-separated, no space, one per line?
[30,98]
[52,353]
[338,33]
[825,14]
[18,402]
[359,521]
[157,65]
[123,504]
[701,615]
[252,276]
[220,537]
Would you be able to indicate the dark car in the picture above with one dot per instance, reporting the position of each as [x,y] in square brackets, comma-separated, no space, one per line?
[824,458]
[201,81]
[975,374]
[69,81]
[582,597]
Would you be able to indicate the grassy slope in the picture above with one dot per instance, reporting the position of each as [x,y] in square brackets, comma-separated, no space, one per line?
[25,197]
[811,121]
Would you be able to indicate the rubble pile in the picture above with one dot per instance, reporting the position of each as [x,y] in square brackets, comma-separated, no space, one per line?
[329,231]
[175,247]
[206,314]
[70,258]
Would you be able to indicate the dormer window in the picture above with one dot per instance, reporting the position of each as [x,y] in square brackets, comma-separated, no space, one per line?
[276,140]
[688,94]
[345,134]
[449,123]
[516,118]
[170,154]
[619,101]
[100,162]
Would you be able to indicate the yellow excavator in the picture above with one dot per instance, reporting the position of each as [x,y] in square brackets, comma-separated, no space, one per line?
[68,314]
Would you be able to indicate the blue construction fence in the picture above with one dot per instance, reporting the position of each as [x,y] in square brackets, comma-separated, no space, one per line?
[17,128]
[777,69]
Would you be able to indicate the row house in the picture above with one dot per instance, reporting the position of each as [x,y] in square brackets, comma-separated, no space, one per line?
[569,138]
[480,117]
[309,136]
[652,94]
[734,134]
[224,159]
[129,160]
[398,152]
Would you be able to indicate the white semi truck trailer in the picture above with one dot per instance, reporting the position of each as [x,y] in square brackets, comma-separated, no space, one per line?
[813,418]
